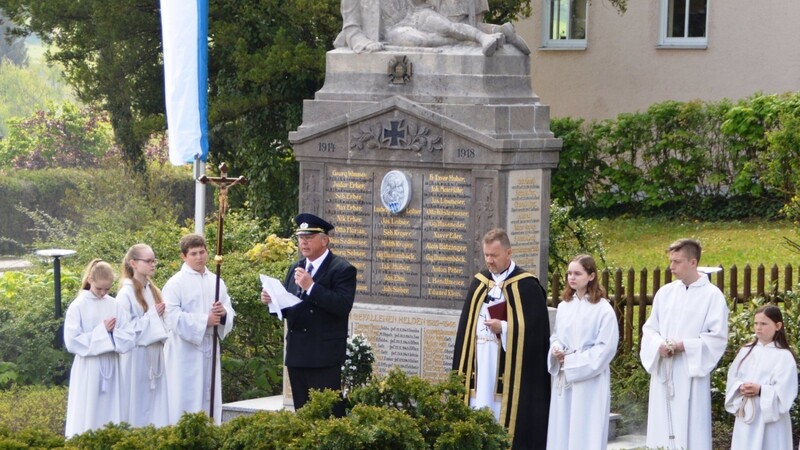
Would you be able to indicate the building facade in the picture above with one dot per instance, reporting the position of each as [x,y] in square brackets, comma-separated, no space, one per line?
[591,62]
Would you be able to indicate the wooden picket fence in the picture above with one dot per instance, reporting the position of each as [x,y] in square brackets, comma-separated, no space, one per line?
[628,293]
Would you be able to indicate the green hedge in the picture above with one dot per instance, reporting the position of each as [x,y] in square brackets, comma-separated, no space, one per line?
[707,160]
[392,413]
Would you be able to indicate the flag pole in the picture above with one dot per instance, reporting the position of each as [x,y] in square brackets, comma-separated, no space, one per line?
[199,196]
[223,182]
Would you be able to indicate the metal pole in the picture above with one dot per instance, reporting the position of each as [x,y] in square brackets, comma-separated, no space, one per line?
[57,284]
[199,197]
[58,342]
[57,254]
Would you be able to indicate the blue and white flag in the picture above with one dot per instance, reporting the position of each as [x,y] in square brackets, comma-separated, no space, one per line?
[184,25]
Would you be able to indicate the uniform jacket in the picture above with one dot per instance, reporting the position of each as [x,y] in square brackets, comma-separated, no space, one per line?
[317,327]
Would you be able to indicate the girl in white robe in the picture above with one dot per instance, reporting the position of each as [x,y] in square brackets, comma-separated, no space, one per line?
[95,330]
[762,386]
[583,343]
[145,396]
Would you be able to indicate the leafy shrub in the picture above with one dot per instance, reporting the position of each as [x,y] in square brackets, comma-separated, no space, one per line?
[357,367]
[263,431]
[571,236]
[365,428]
[195,431]
[29,439]
[416,415]
[29,330]
[33,408]
[707,160]
[444,420]
[59,136]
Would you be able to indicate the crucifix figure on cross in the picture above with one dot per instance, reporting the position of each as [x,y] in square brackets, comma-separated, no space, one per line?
[223,183]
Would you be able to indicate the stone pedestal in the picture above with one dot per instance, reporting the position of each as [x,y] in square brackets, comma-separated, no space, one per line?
[413,154]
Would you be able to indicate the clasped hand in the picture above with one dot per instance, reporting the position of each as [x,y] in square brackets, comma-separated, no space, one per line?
[750,389]
[668,350]
[559,354]
[216,314]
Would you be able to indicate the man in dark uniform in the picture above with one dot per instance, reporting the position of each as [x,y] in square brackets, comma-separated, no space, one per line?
[316,339]
[502,343]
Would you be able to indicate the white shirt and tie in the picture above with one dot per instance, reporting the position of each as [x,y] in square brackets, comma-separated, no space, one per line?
[311,266]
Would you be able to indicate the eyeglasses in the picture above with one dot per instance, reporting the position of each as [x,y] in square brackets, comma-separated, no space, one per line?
[148,261]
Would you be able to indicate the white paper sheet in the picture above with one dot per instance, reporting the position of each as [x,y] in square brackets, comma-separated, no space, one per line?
[281,298]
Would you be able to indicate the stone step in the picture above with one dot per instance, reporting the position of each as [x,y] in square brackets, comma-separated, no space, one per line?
[614,420]
[627,442]
[252,406]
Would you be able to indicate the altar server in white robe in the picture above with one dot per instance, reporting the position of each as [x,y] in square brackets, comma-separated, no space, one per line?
[192,314]
[95,330]
[582,346]
[762,386]
[683,340]
[145,402]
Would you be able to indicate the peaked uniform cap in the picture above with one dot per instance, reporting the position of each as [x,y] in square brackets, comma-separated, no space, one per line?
[310,224]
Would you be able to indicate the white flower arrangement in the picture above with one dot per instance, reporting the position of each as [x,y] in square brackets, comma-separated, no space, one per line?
[357,367]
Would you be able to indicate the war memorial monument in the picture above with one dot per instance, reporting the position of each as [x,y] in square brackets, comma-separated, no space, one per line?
[426,134]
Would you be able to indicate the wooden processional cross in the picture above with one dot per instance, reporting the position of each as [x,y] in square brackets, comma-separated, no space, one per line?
[223,183]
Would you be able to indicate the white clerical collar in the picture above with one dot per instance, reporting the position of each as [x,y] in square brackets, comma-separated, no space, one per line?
[500,277]
[496,292]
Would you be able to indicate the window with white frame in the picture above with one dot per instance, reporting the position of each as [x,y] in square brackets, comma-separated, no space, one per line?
[684,23]
[564,24]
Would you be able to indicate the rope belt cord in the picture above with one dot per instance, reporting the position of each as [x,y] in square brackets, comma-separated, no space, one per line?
[154,362]
[562,382]
[665,375]
[742,411]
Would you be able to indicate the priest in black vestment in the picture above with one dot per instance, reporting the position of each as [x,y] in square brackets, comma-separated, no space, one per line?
[502,343]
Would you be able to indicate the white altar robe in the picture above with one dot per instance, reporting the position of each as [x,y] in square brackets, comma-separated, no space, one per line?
[145,393]
[487,353]
[189,296]
[776,371]
[581,395]
[698,316]
[95,382]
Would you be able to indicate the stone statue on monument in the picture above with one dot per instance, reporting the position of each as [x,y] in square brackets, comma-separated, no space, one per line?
[472,12]
[369,24]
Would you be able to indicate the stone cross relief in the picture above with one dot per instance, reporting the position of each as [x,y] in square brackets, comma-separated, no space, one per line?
[371,25]
[396,134]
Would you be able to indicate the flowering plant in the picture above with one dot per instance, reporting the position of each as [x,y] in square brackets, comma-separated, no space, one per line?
[357,367]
